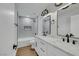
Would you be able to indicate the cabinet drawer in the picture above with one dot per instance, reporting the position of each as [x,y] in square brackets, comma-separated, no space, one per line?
[54,51]
[42,43]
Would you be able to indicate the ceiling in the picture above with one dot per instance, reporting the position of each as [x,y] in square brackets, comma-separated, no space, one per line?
[30,9]
[34,9]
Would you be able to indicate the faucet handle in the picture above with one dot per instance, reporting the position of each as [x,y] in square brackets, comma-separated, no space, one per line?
[74,41]
[67,35]
[71,35]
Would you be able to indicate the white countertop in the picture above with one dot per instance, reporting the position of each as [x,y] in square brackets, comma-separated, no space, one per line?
[67,47]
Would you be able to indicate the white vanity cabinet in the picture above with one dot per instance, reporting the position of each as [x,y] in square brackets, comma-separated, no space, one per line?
[41,47]
[44,48]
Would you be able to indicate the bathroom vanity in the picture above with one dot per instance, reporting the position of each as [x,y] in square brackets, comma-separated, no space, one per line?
[60,35]
[55,47]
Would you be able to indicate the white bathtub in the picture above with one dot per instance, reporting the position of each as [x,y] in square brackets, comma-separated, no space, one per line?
[22,42]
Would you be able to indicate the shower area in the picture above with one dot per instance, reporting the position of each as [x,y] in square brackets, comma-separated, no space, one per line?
[27,28]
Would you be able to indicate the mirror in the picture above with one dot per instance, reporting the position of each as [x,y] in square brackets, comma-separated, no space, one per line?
[47,25]
[68,21]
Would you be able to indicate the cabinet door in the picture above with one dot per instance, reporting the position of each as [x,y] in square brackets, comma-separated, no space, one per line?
[54,51]
[41,47]
[38,48]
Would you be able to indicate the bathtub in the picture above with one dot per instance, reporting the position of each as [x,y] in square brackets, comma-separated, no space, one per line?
[22,42]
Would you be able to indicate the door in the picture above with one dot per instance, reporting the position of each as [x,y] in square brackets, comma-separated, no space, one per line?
[8,31]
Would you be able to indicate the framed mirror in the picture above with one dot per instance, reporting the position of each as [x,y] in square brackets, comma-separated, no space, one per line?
[47,25]
[68,21]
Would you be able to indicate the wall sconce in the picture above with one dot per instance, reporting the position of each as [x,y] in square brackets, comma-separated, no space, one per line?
[53,21]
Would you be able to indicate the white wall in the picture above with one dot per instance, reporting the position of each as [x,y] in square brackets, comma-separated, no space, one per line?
[7,29]
[35,26]
[54,25]
[25,33]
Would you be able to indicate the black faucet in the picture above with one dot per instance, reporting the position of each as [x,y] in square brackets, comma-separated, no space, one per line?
[44,34]
[67,35]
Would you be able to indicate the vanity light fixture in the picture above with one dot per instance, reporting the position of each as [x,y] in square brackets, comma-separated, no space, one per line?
[73,3]
[66,7]
[58,4]
[44,12]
